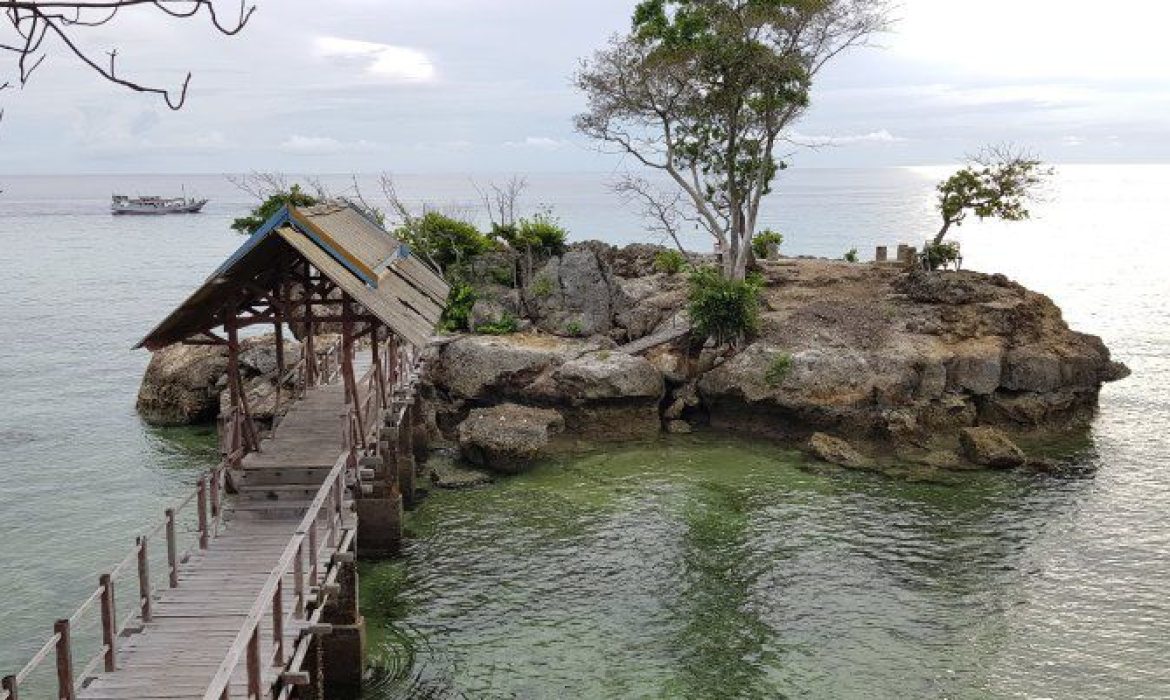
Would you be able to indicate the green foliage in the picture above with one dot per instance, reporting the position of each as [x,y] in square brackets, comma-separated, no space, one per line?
[294,196]
[542,235]
[997,183]
[778,370]
[940,254]
[542,287]
[445,241]
[505,275]
[457,315]
[573,328]
[763,239]
[850,255]
[505,325]
[669,261]
[721,308]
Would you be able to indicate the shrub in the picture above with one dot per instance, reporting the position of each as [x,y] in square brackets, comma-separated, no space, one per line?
[295,196]
[850,256]
[573,328]
[505,325]
[542,287]
[443,240]
[669,261]
[761,240]
[542,235]
[778,370]
[457,315]
[723,309]
[940,254]
[504,275]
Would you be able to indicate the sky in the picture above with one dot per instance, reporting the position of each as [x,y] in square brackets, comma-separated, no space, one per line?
[484,86]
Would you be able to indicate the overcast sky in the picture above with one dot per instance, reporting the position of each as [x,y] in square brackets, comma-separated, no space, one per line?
[483,86]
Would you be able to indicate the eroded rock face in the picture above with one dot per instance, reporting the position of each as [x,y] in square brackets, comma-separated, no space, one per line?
[604,375]
[501,366]
[508,437]
[989,447]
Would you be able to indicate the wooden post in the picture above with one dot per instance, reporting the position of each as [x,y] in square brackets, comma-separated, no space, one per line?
[64,661]
[9,683]
[172,552]
[253,663]
[144,580]
[313,553]
[309,349]
[278,622]
[109,622]
[215,476]
[299,580]
[201,507]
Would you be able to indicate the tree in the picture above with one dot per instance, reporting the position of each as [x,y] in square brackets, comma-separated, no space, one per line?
[703,91]
[273,192]
[34,25]
[998,182]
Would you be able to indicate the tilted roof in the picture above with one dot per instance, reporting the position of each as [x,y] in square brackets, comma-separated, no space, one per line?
[346,246]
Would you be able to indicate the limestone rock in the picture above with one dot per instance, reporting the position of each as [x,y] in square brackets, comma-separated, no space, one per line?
[834,450]
[182,385]
[678,427]
[483,366]
[506,438]
[607,375]
[989,447]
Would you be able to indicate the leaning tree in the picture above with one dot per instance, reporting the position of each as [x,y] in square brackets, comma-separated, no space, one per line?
[997,183]
[32,29]
[703,91]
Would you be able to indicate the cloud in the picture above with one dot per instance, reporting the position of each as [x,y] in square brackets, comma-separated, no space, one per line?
[880,136]
[1073,141]
[321,145]
[542,143]
[396,64]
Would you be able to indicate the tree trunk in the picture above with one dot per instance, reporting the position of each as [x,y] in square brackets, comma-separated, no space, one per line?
[938,239]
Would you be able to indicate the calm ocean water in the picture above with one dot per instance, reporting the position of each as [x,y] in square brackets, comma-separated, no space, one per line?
[1083,612]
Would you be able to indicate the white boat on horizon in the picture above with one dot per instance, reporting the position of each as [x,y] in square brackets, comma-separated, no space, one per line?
[122,204]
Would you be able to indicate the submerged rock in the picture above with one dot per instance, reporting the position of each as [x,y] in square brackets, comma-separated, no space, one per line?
[506,438]
[989,447]
[182,385]
[834,450]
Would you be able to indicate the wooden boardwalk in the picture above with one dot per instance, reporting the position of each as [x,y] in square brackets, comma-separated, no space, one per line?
[178,653]
[193,625]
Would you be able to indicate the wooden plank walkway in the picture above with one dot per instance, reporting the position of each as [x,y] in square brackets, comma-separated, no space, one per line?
[178,653]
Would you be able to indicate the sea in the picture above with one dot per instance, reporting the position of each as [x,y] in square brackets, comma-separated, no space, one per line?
[689,569]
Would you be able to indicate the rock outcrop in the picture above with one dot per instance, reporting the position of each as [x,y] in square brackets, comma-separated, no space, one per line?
[507,437]
[186,384]
[834,450]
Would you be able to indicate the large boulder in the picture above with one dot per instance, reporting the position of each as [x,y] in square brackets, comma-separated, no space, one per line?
[607,374]
[572,295]
[989,447]
[508,437]
[499,366]
[182,385]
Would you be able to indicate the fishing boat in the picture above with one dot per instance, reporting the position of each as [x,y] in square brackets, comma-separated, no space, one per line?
[122,204]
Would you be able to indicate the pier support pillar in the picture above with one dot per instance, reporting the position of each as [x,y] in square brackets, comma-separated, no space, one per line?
[379,532]
[343,651]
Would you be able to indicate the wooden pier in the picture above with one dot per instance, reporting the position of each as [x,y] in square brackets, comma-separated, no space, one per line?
[257,597]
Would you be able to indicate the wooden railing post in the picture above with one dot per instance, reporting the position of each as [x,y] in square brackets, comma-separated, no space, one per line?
[65,689]
[144,580]
[109,622]
[201,506]
[299,580]
[216,473]
[172,552]
[253,663]
[313,553]
[278,622]
[9,684]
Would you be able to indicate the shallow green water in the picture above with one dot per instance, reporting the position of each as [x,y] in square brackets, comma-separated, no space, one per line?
[712,568]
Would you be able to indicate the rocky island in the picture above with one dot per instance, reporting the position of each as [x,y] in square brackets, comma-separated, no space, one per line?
[865,365]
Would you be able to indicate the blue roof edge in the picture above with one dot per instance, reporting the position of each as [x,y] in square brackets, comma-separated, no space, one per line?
[283,216]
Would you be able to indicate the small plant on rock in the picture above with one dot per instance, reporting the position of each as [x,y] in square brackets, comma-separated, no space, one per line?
[457,316]
[778,370]
[939,255]
[669,261]
[542,287]
[505,325]
[850,255]
[573,328]
[723,309]
[763,239]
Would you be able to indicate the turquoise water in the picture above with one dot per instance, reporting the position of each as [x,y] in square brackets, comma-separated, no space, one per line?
[683,570]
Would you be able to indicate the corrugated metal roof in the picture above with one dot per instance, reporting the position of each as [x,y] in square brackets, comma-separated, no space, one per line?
[346,246]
